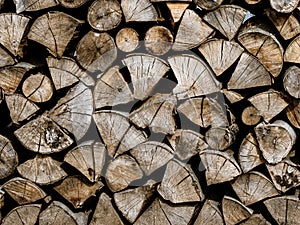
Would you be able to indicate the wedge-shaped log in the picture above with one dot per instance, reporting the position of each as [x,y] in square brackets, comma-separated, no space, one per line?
[8,158]
[292,52]
[177,9]
[232,96]
[293,113]
[138,11]
[209,214]
[5,58]
[209,4]
[291,80]
[33,5]
[256,219]
[253,187]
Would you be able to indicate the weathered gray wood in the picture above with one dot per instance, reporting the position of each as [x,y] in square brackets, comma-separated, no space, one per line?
[33,5]
[138,11]
[8,158]
[209,214]
[291,81]
[283,6]
[291,53]
[6,59]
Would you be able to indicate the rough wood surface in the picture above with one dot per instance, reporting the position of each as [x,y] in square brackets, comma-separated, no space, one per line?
[209,4]
[291,53]
[291,81]
[283,6]
[8,157]
[251,116]
[127,39]
[209,214]
[138,10]
[32,5]
[72,3]
[177,9]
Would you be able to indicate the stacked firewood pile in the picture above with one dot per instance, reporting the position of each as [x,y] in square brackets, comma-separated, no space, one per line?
[149,112]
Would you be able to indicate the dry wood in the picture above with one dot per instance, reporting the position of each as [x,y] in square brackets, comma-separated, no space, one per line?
[104,15]
[121,172]
[284,209]
[152,155]
[105,212]
[293,113]
[127,39]
[177,9]
[284,7]
[227,19]
[23,215]
[54,30]
[23,191]
[253,187]
[252,2]
[88,158]
[157,113]
[251,116]
[138,11]
[5,58]
[96,51]
[249,73]
[117,133]
[275,140]
[220,166]
[256,219]
[232,96]
[33,5]
[220,62]
[145,71]
[234,211]
[187,143]
[209,214]
[194,77]
[180,184]
[2,198]
[8,158]
[209,4]
[265,46]
[132,202]
[291,81]
[72,3]
[249,153]
[75,191]
[291,53]
[42,170]
[192,31]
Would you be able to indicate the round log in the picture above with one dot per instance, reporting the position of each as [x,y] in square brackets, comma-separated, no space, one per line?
[251,116]
[72,3]
[127,39]
[283,6]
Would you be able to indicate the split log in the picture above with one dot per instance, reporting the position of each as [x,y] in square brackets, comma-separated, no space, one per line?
[291,53]
[177,9]
[249,154]
[158,40]
[23,215]
[75,191]
[33,5]
[209,4]
[234,211]
[5,58]
[42,170]
[127,39]
[187,143]
[104,15]
[96,51]
[253,187]
[54,30]
[209,214]
[152,155]
[252,2]
[220,166]
[121,172]
[111,89]
[227,19]
[220,62]
[275,140]
[20,108]
[145,71]
[251,116]
[132,202]
[282,6]
[180,184]
[192,31]
[2,198]
[291,81]
[8,158]
[194,77]
[117,133]
[284,209]
[23,191]
[72,3]
[157,113]
[269,104]
[138,11]
[88,158]
[256,219]
[293,113]
[232,96]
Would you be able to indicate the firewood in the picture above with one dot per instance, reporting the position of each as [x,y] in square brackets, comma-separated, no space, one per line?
[111,89]
[232,96]
[127,39]
[284,7]
[194,77]
[192,31]
[2,198]
[152,155]
[180,184]
[284,209]
[249,153]
[104,15]
[157,113]
[265,46]
[8,158]
[33,5]
[117,133]
[88,158]
[105,212]
[249,73]
[290,81]
[293,113]
[220,62]
[275,140]
[75,191]
[132,202]
[252,2]
[187,143]
[234,211]
[65,72]
[42,170]
[253,187]
[227,19]
[291,53]
[5,58]
[177,9]
[251,116]
[72,3]
[220,166]
[54,30]
[256,219]
[121,172]
[145,71]
[23,191]
[209,4]
[138,11]
[26,214]
[209,214]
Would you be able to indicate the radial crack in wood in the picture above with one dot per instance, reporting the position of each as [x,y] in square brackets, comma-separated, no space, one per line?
[209,214]
[8,158]
[256,219]
[5,58]
[127,39]
[138,11]
[292,52]
[33,5]
[283,6]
